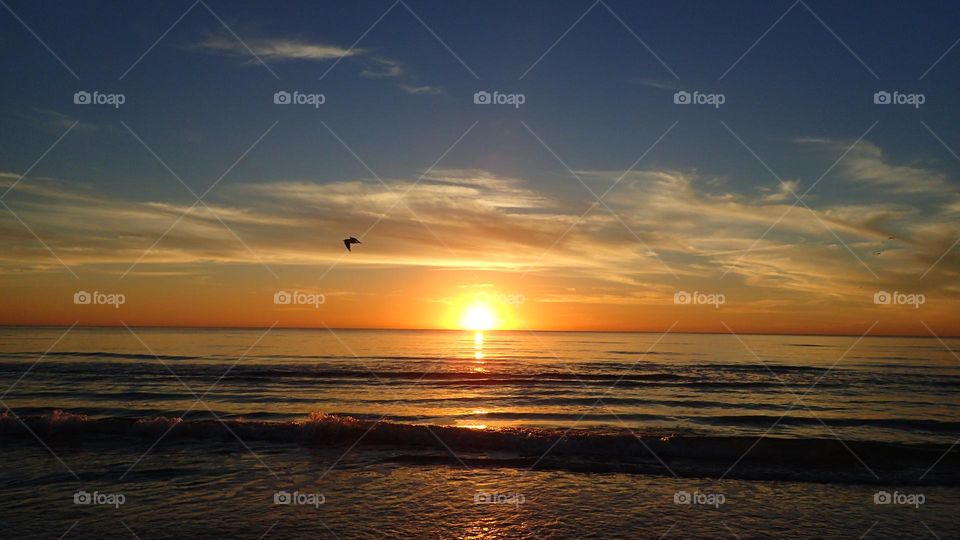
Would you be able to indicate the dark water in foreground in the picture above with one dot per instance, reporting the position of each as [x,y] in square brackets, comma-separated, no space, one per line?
[447,434]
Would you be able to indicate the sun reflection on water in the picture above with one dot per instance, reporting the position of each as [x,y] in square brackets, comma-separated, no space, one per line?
[478,346]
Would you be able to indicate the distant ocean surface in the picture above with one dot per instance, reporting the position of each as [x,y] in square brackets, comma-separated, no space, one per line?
[589,433]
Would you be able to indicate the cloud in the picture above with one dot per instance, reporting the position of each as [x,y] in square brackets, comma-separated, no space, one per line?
[657,83]
[425,90]
[277,49]
[378,67]
[288,49]
[785,192]
[458,218]
[866,163]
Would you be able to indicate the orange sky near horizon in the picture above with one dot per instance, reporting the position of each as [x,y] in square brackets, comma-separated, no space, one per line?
[440,301]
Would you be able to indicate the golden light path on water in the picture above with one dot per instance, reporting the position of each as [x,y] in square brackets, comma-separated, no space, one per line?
[478,368]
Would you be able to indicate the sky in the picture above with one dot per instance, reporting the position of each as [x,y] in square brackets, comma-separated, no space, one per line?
[785,199]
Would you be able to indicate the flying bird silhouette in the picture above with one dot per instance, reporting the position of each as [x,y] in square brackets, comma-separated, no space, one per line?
[351,240]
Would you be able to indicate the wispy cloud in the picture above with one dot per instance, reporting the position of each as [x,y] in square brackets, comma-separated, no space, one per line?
[378,67]
[277,49]
[421,90]
[866,163]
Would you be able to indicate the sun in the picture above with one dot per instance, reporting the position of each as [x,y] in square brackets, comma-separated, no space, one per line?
[478,317]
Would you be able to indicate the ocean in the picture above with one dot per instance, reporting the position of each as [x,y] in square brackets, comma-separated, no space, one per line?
[250,433]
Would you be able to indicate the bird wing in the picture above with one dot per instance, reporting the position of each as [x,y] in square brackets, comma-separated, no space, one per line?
[347,244]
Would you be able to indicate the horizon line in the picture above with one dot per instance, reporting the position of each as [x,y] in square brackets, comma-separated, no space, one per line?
[374,329]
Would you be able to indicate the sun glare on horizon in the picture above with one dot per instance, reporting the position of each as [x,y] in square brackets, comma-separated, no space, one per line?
[479,317]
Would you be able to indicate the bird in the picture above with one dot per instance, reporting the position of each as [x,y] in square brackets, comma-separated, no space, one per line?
[351,240]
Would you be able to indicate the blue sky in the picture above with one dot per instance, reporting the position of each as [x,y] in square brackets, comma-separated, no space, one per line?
[586,98]
[403,94]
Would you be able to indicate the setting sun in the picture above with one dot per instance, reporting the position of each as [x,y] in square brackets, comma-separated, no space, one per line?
[478,317]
